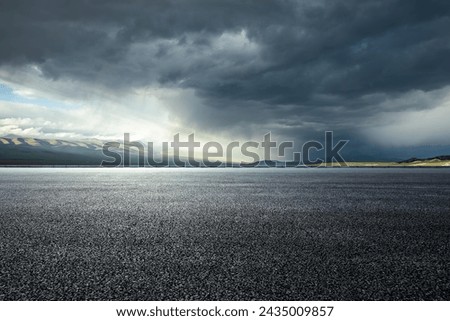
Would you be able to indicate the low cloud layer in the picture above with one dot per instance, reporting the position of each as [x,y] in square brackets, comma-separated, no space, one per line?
[372,71]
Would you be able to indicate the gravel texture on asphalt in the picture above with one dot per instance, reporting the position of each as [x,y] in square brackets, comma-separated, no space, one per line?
[224,234]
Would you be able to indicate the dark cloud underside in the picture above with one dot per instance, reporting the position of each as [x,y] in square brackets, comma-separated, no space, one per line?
[299,65]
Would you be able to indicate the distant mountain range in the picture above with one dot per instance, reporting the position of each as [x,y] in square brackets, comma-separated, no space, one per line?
[431,159]
[26,151]
[33,151]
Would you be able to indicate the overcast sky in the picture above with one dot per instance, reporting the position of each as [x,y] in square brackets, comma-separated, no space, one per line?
[374,72]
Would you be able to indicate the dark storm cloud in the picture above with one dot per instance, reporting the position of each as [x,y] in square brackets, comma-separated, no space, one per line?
[297,65]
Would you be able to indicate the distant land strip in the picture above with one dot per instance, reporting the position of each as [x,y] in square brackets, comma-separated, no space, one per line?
[34,152]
